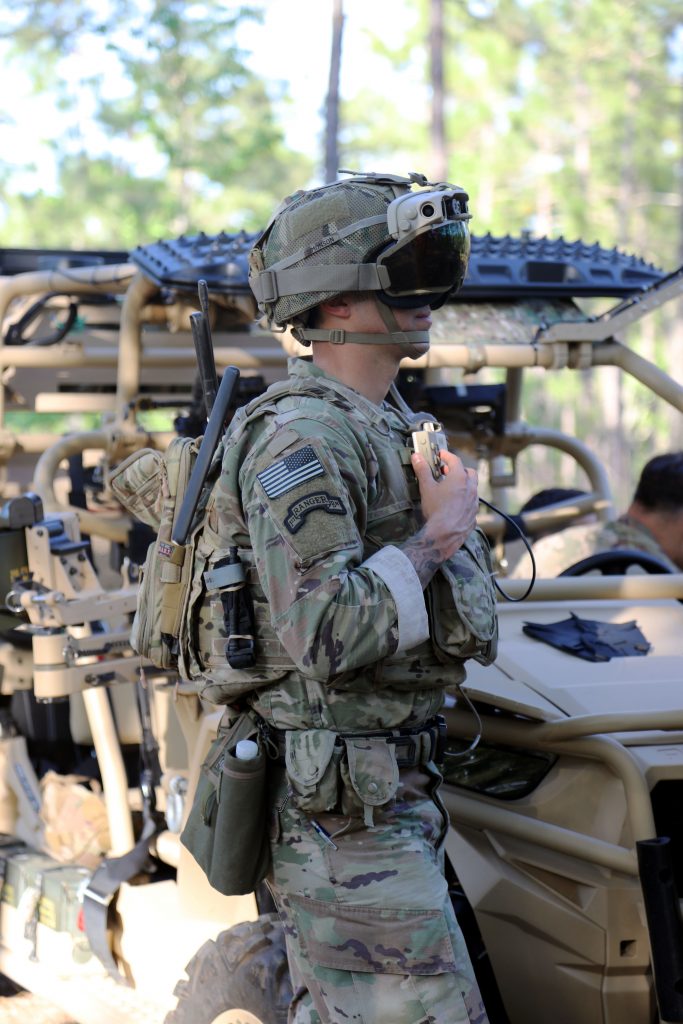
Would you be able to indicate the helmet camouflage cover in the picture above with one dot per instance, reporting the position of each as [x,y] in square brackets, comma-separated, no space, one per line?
[330,238]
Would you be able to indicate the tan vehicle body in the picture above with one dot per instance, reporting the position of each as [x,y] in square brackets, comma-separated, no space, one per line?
[552,875]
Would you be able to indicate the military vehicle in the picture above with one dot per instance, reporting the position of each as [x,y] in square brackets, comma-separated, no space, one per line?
[564,795]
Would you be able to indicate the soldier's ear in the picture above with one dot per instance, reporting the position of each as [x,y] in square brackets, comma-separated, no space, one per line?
[339,308]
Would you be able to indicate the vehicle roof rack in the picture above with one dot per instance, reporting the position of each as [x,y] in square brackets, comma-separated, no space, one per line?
[221,260]
[526,267]
[500,267]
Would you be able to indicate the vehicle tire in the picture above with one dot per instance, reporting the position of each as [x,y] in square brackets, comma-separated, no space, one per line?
[240,978]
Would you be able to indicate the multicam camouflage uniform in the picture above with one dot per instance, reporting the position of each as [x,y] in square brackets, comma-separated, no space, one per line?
[558,551]
[348,645]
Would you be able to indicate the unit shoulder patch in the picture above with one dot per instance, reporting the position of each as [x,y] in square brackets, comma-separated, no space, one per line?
[318,501]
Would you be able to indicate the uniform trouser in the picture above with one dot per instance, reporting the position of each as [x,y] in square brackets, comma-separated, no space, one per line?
[371,933]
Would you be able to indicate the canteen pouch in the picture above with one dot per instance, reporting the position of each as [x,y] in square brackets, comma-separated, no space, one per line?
[462,604]
[227,827]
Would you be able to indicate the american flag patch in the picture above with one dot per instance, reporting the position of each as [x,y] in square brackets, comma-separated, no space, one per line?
[287,473]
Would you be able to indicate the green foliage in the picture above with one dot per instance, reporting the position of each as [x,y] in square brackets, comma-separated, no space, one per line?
[103,205]
[374,136]
[185,96]
[28,422]
[563,118]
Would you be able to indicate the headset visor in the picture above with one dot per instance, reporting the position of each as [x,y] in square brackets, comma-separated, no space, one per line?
[434,261]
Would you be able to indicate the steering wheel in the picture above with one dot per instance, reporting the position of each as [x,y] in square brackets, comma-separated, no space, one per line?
[616,561]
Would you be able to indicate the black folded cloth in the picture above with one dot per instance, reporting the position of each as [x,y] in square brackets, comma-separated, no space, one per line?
[591,640]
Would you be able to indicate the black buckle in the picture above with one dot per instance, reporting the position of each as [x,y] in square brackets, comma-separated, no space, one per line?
[409,758]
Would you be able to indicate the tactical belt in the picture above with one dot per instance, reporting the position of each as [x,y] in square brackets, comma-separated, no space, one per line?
[405,740]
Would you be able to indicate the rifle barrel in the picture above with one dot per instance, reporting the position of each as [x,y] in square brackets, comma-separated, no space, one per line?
[205,358]
[212,435]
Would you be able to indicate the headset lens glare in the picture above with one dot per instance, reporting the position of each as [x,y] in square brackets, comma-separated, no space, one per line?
[434,261]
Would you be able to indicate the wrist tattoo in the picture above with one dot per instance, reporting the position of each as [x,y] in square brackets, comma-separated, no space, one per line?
[425,554]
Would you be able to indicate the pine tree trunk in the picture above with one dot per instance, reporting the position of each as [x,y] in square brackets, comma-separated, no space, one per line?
[332,102]
[439,155]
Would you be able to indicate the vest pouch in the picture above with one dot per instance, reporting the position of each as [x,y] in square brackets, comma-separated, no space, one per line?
[151,486]
[160,605]
[137,484]
[227,827]
[203,636]
[370,775]
[145,638]
[462,604]
[312,760]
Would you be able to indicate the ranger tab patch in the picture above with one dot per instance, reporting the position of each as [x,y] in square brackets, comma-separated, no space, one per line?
[287,473]
[321,500]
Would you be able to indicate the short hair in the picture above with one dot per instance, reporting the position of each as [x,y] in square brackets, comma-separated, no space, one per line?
[551,496]
[661,483]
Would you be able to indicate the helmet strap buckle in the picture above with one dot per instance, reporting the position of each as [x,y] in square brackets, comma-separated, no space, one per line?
[337,336]
[267,282]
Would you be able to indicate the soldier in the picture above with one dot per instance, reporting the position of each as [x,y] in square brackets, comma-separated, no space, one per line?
[653,523]
[376,587]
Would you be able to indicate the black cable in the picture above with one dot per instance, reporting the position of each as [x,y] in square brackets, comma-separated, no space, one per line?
[15,332]
[511,521]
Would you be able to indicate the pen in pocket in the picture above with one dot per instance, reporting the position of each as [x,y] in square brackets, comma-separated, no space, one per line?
[322,833]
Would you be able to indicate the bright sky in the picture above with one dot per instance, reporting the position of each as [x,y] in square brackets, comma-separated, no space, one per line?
[292,46]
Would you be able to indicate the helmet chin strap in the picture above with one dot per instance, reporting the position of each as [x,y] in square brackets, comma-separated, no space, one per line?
[340,337]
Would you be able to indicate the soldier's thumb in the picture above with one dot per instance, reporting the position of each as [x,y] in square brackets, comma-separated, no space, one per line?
[420,466]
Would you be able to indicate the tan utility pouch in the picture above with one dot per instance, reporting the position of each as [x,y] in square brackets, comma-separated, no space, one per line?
[227,828]
[151,487]
[160,605]
[137,482]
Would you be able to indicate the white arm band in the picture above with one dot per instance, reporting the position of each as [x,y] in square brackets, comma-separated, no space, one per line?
[397,571]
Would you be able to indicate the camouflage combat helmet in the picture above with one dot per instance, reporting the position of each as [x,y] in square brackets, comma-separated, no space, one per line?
[401,238]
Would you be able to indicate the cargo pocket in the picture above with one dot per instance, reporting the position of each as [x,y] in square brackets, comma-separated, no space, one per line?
[370,775]
[312,761]
[373,939]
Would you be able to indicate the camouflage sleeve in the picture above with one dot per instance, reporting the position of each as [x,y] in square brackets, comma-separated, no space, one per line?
[305,503]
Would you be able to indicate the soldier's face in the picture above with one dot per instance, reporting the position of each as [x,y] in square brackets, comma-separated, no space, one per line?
[359,312]
[365,312]
[367,319]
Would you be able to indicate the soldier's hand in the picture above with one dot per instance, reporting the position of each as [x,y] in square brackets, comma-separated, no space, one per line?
[449,505]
